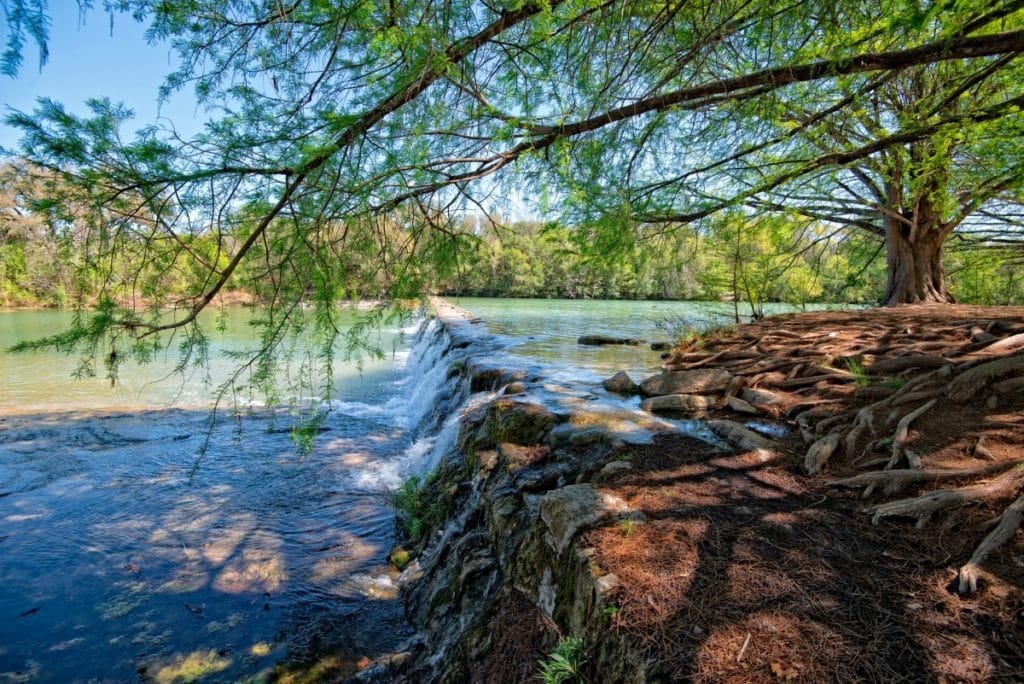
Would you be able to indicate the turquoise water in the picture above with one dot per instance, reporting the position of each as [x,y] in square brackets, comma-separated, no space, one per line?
[547,329]
[43,380]
[140,540]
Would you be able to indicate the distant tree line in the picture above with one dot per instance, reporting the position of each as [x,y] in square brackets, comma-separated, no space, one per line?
[51,255]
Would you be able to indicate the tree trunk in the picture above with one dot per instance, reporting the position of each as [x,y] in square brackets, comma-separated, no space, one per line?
[914,236]
[914,262]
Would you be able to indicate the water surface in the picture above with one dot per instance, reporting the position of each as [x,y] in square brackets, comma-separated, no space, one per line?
[143,536]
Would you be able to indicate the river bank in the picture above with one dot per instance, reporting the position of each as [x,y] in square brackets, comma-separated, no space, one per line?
[674,552]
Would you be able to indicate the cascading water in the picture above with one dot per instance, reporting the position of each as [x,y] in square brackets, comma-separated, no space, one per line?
[428,403]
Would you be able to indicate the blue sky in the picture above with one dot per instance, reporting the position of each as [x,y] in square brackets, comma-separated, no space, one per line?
[87,59]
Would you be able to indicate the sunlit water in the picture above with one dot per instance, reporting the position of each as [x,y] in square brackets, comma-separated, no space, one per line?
[547,330]
[121,560]
[124,556]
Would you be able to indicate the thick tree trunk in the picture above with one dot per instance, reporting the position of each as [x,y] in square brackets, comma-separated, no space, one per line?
[913,241]
[915,272]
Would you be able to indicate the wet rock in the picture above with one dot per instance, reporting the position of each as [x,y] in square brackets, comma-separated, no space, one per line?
[761,397]
[517,456]
[482,379]
[621,383]
[518,422]
[661,346]
[567,510]
[587,436]
[678,403]
[696,381]
[740,406]
[601,340]
[515,388]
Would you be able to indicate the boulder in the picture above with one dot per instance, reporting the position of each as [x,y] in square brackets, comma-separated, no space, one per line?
[760,397]
[697,381]
[515,388]
[621,383]
[569,509]
[678,403]
[600,340]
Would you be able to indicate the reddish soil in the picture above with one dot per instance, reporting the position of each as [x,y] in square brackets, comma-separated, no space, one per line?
[751,571]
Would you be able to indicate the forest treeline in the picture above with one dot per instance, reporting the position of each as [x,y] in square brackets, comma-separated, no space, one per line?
[750,259]
[46,260]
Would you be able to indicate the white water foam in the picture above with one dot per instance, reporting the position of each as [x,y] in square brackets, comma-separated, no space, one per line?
[416,398]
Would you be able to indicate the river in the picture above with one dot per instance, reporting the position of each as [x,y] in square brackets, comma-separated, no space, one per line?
[126,556]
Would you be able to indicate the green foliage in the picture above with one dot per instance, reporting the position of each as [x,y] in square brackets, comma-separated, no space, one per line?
[419,506]
[894,383]
[564,665]
[860,375]
[742,151]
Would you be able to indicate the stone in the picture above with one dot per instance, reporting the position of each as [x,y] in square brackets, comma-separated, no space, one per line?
[518,422]
[760,397]
[610,470]
[678,403]
[484,379]
[606,584]
[587,436]
[661,346]
[515,388]
[601,340]
[740,406]
[568,510]
[621,383]
[687,382]
[743,438]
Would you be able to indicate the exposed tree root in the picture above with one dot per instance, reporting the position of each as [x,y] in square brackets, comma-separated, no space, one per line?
[972,381]
[935,386]
[1009,523]
[900,438]
[819,453]
[895,481]
[981,451]
[901,363]
[923,507]
[1007,344]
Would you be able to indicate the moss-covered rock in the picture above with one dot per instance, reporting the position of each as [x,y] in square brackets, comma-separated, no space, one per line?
[518,422]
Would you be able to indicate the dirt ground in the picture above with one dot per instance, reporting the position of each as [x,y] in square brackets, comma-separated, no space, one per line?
[752,570]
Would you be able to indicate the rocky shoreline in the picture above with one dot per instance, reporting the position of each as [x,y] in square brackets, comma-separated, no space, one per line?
[556,516]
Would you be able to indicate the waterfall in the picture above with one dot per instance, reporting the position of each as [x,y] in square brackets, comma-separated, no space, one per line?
[428,403]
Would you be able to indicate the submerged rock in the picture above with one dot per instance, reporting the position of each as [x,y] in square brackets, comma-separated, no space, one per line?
[678,403]
[621,383]
[661,346]
[696,381]
[600,340]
